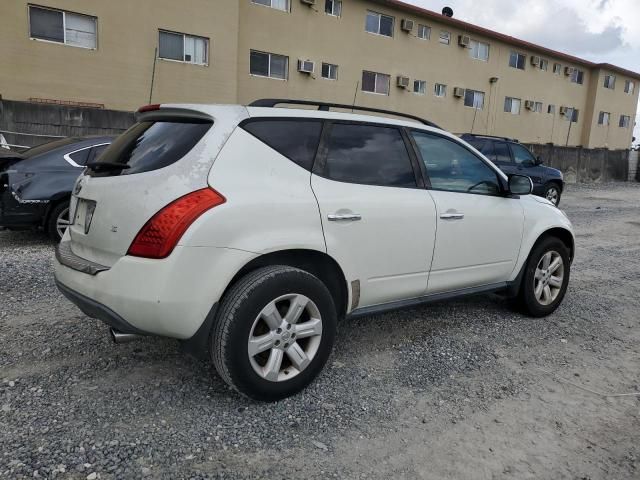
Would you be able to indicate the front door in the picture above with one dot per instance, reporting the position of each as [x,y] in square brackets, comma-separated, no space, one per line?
[479,231]
[377,223]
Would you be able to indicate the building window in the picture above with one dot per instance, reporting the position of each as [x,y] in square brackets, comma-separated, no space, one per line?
[610,81]
[571,114]
[517,60]
[603,118]
[577,76]
[445,37]
[333,7]
[629,86]
[329,71]
[424,32]
[537,107]
[269,65]
[379,24]
[557,68]
[440,90]
[512,105]
[373,82]
[625,121]
[277,4]
[183,48]
[59,26]
[419,87]
[479,50]
[474,99]
[551,109]
[544,64]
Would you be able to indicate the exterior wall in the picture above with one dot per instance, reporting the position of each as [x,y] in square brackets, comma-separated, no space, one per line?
[118,73]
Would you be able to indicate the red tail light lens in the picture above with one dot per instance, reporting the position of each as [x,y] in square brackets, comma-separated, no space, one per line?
[161,233]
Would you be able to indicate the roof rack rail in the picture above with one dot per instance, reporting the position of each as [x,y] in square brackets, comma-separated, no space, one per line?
[324,106]
[480,135]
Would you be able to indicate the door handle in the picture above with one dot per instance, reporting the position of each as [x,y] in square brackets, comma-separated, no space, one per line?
[452,216]
[344,217]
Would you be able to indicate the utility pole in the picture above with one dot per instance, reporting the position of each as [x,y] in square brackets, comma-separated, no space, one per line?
[153,73]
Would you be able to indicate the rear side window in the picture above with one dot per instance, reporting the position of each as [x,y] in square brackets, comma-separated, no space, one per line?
[148,146]
[80,157]
[368,154]
[295,139]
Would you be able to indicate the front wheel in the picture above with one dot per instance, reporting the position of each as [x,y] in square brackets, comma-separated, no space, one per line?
[552,193]
[546,278]
[274,332]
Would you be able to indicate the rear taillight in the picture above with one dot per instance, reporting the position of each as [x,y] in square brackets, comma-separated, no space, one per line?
[161,233]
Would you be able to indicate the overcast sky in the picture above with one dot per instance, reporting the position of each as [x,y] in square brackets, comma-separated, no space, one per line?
[598,30]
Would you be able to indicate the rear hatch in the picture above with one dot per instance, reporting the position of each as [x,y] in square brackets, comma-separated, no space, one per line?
[167,154]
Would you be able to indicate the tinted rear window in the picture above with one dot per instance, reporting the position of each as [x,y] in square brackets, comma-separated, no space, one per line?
[150,146]
[370,155]
[295,139]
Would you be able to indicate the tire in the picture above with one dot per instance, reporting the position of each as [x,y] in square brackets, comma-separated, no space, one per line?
[553,193]
[545,302]
[247,312]
[58,214]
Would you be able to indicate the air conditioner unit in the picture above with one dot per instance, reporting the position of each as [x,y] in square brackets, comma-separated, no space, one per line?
[306,66]
[464,40]
[458,92]
[308,2]
[406,25]
[403,82]
[535,60]
[529,104]
[564,110]
[569,70]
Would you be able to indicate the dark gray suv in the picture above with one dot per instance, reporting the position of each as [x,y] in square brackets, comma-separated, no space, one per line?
[514,158]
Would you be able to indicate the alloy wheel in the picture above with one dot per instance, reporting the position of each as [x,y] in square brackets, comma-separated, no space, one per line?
[548,278]
[553,195]
[285,337]
[62,222]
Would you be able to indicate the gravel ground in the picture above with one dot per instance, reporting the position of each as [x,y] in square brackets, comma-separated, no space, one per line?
[464,389]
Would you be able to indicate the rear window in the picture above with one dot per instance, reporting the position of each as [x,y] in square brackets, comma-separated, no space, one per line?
[148,146]
[295,139]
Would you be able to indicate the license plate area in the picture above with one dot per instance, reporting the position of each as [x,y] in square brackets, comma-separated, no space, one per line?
[83,215]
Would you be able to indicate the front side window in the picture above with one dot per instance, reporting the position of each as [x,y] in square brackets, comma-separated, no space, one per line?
[368,154]
[419,87]
[296,139]
[512,105]
[474,99]
[440,90]
[502,154]
[63,27]
[577,76]
[445,37]
[373,82]
[603,118]
[329,71]
[610,81]
[452,167]
[183,48]
[521,155]
[379,24]
[629,86]
[270,65]
[625,121]
[277,4]
[517,60]
[333,7]
[479,50]
[424,32]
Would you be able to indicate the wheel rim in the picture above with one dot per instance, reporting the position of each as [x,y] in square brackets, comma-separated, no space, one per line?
[285,337]
[553,195]
[548,278]
[62,222]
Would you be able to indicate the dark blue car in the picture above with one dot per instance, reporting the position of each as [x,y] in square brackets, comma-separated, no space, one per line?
[513,157]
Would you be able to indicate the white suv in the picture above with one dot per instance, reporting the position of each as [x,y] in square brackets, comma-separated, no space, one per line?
[250,231]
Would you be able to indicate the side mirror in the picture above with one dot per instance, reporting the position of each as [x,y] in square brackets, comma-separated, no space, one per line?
[539,160]
[520,185]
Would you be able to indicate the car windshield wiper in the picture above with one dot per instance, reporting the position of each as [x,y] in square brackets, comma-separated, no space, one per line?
[107,166]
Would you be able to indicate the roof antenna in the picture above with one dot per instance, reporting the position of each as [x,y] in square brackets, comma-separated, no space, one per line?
[447,12]
[355,94]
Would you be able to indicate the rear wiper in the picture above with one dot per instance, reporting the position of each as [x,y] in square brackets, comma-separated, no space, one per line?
[107,166]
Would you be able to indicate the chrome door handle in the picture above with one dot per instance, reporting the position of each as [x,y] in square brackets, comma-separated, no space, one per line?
[452,216]
[344,217]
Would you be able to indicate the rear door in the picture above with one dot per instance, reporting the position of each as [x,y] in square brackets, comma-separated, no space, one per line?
[379,222]
[479,231]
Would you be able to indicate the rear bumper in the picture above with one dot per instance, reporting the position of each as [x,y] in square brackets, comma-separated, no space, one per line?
[170,297]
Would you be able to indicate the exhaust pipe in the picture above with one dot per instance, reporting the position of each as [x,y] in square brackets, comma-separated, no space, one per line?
[121,337]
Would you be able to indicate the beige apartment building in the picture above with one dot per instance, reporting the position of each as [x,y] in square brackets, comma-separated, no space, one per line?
[120,54]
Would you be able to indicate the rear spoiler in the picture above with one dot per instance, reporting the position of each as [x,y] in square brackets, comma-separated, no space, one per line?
[151,113]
